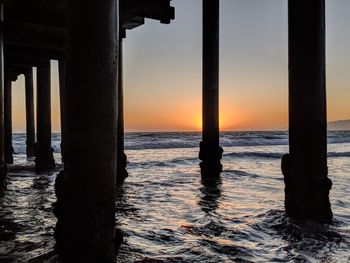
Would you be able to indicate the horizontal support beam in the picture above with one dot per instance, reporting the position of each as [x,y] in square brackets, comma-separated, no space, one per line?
[35,36]
[29,35]
[53,13]
[130,21]
[19,69]
[33,52]
[30,62]
[40,12]
[152,9]
[12,76]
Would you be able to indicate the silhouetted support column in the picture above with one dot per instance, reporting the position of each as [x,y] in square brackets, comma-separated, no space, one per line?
[62,80]
[121,156]
[30,128]
[8,121]
[85,231]
[210,151]
[44,160]
[2,124]
[305,167]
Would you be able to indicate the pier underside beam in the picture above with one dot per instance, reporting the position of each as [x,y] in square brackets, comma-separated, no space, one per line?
[44,160]
[30,127]
[305,170]
[25,52]
[52,14]
[153,9]
[35,36]
[210,152]
[86,229]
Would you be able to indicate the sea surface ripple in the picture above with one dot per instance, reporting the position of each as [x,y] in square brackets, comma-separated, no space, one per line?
[168,214]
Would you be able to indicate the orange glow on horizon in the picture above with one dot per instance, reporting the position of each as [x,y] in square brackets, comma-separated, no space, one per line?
[198,122]
[186,117]
[224,123]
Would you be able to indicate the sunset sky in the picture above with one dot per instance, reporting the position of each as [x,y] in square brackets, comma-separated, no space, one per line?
[162,69]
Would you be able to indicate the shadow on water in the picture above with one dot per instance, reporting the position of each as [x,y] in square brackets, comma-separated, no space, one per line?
[123,205]
[304,241]
[8,230]
[310,240]
[26,219]
[41,184]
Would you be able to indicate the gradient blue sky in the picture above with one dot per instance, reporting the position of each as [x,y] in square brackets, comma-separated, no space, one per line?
[162,68]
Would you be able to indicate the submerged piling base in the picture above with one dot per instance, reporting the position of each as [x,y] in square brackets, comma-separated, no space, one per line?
[44,160]
[30,150]
[58,212]
[122,173]
[9,155]
[210,157]
[3,172]
[306,199]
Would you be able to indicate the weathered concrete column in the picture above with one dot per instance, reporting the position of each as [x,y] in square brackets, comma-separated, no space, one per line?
[305,167]
[30,127]
[62,80]
[44,160]
[85,230]
[210,151]
[121,156]
[2,124]
[8,121]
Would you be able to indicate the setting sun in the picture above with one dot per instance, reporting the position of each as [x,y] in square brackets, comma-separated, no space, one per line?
[225,123]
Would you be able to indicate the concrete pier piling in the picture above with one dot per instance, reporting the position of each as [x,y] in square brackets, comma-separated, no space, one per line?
[8,120]
[84,37]
[86,229]
[44,160]
[305,167]
[62,83]
[30,126]
[210,151]
[121,156]
[2,106]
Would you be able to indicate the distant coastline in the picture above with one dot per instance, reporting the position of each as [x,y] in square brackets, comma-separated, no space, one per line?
[340,125]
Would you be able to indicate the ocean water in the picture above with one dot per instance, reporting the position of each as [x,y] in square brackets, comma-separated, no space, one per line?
[168,215]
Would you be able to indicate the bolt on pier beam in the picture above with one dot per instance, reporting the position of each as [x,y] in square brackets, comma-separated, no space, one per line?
[30,127]
[305,170]
[44,160]
[86,192]
[210,152]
